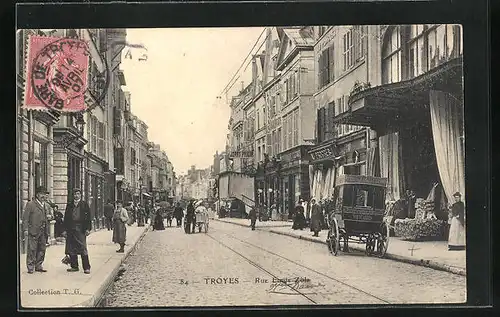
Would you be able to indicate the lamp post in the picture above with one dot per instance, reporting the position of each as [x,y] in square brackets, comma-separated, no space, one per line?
[80,124]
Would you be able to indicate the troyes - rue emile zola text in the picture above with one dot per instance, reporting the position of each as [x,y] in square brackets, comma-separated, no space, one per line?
[257,280]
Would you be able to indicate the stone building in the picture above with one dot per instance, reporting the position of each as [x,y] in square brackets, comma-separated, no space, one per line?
[414,107]
[341,62]
[66,151]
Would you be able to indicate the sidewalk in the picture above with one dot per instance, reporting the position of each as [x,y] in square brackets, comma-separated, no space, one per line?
[58,288]
[433,254]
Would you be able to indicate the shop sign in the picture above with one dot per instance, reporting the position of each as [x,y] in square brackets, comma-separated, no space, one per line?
[362,216]
[94,166]
[322,153]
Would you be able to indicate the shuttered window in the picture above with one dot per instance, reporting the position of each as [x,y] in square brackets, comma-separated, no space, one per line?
[101,139]
[285,134]
[296,127]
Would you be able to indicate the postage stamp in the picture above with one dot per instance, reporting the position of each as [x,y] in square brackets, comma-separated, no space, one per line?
[59,76]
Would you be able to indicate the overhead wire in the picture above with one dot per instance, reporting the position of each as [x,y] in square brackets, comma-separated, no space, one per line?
[232,81]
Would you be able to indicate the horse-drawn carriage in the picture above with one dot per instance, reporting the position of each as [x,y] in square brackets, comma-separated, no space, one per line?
[358,215]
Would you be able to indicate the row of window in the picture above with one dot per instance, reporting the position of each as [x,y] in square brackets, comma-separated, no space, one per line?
[354,45]
[326,129]
[281,138]
[410,51]
[96,135]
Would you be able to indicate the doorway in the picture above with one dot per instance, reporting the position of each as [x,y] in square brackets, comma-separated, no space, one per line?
[419,156]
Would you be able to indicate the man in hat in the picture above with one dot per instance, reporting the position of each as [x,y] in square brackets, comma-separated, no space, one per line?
[78,225]
[35,224]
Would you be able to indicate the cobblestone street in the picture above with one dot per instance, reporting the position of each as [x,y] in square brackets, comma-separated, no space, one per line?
[232,265]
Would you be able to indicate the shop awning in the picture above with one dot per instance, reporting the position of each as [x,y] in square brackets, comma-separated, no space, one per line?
[382,104]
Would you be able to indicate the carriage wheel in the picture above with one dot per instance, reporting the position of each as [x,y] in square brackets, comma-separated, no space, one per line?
[383,240]
[333,237]
[370,244]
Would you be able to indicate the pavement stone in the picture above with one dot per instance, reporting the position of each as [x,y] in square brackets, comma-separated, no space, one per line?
[58,288]
[172,269]
[433,254]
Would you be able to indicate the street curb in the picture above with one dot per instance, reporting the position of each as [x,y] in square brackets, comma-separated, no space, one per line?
[420,262]
[96,299]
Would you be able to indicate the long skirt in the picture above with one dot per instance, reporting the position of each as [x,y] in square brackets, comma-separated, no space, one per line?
[76,242]
[158,224]
[119,232]
[299,221]
[456,238]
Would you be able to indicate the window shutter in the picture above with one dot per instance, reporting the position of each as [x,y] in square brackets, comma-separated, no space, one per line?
[319,128]
[331,68]
[331,114]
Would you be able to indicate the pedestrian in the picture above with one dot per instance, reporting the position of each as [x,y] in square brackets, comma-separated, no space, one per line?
[59,224]
[189,226]
[77,226]
[178,212]
[141,215]
[253,217]
[120,218]
[108,214]
[158,220]
[316,215]
[456,238]
[299,220]
[36,229]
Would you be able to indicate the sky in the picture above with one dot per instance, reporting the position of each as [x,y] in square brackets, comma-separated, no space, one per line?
[175,90]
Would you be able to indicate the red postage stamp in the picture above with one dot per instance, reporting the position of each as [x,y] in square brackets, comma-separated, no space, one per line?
[57,74]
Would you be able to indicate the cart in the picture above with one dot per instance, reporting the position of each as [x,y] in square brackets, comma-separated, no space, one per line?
[358,215]
[202,219]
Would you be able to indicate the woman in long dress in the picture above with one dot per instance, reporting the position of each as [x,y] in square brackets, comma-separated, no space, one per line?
[120,218]
[316,215]
[299,220]
[456,239]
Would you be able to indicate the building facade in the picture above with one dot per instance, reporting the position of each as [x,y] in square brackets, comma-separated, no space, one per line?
[415,106]
[66,151]
[341,62]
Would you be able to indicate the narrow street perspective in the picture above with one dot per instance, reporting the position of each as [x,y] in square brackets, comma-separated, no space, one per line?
[232,266]
[241,166]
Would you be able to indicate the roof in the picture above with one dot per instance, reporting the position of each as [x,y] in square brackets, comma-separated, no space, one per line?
[299,36]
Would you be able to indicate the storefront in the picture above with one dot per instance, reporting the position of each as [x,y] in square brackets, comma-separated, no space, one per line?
[419,120]
[95,181]
[345,155]
[294,178]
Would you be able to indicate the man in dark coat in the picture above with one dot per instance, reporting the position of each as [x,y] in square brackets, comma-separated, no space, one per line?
[316,216]
[190,222]
[253,217]
[108,213]
[36,228]
[178,213]
[78,225]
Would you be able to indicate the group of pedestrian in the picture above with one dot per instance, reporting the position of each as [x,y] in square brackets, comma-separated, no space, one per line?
[316,221]
[75,225]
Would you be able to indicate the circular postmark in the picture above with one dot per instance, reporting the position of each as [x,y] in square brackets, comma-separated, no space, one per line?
[64,78]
